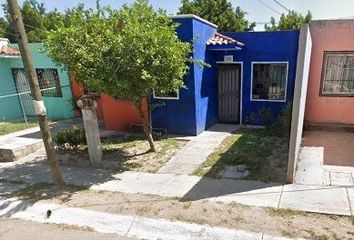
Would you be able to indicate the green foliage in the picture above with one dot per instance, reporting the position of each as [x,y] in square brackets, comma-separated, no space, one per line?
[267,118]
[285,118]
[36,19]
[125,53]
[251,118]
[70,138]
[219,12]
[290,21]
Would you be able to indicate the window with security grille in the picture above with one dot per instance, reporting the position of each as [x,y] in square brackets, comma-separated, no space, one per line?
[269,81]
[338,74]
[48,80]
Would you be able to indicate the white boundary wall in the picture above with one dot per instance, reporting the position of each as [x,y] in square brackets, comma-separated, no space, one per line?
[299,102]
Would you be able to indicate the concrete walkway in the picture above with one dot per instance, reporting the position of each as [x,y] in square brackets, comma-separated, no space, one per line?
[311,170]
[196,151]
[122,225]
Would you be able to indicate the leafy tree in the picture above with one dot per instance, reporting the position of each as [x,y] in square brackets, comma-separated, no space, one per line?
[219,12]
[125,53]
[36,19]
[291,21]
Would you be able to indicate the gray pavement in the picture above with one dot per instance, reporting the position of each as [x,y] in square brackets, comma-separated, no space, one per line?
[196,151]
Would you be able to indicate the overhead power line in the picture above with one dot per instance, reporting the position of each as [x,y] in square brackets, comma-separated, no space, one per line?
[266,5]
[282,5]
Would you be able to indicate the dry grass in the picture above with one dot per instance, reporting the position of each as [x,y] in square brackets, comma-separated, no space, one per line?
[263,151]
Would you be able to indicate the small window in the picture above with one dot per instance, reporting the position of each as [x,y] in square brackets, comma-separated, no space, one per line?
[49,82]
[269,81]
[169,95]
[338,74]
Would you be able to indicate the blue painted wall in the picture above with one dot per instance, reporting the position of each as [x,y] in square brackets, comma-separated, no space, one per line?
[57,107]
[264,47]
[187,114]
[204,78]
[197,107]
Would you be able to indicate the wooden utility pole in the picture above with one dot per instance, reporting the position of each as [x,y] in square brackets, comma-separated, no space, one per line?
[38,104]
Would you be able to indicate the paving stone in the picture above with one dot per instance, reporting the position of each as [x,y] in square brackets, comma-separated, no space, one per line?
[351,199]
[250,193]
[144,183]
[331,200]
[311,156]
[179,186]
[241,167]
[233,175]
[341,178]
[205,188]
[231,169]
[175,168]
[312,175]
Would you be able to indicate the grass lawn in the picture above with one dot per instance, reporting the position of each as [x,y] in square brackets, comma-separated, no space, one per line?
[130,153]
[263,151]
[10,127]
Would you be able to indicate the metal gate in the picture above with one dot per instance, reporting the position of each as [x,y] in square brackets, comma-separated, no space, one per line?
[24,92]
[229,77]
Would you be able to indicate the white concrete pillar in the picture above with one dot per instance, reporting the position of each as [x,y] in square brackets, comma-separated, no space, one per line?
[299,101]
[88,107]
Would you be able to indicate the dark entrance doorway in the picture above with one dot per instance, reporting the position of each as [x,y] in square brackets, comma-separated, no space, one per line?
[229,91]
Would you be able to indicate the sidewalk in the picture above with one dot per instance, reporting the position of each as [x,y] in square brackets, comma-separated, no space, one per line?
[318,199]
[196,151]
[311,170]
[122,225]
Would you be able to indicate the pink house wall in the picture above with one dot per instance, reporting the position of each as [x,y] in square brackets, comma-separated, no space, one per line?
[328,35]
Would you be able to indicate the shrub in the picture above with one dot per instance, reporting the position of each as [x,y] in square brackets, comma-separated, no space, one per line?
[70,138]
[251,118]
[267,117]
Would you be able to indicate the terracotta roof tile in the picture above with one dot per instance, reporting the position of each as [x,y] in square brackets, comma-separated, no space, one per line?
[219,39]
[9,51]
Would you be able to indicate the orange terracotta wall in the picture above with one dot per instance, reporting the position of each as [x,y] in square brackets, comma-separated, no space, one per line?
[78,90]
[332,35]
[118,115]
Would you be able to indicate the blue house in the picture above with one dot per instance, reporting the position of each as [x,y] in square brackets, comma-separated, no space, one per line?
[249,72]
[15,97]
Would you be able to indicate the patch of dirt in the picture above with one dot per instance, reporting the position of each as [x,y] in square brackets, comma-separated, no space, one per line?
[125,154]
[275,222]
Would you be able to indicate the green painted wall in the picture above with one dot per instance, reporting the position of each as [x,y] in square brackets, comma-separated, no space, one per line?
[57,107]
[9,106]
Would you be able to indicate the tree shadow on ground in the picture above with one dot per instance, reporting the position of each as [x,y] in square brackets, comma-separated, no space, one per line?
[264,152]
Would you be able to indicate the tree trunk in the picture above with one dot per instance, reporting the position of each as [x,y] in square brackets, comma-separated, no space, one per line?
[35,91]
[147,126]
